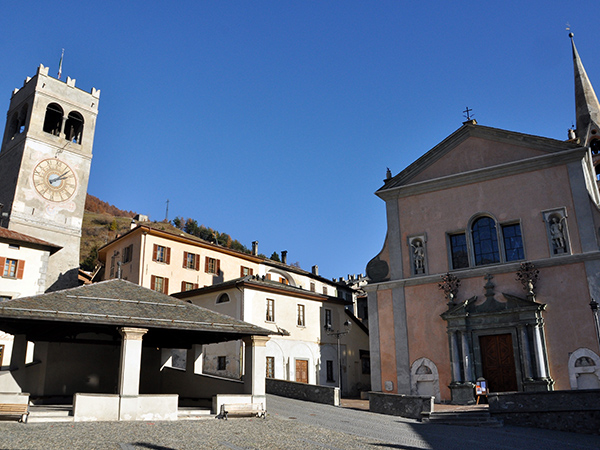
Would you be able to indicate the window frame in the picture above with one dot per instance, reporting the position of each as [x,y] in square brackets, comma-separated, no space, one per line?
[161,254]
[328,319]
[301,315]
[221,362]
[223,298]
[163,281]
[10,268]
[270,311]
[127,254]
[212,265]
[188,286]
[270,367]
[7,272]
[469,241]
[191,261]
[329,371]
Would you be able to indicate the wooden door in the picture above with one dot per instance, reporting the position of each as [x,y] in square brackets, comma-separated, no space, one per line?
[498,362]
[302,370]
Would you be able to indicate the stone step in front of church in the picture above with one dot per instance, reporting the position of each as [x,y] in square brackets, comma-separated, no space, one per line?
[464,418]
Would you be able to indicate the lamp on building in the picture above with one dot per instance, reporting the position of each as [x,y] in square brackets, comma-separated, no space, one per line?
[338,333]
[594,306]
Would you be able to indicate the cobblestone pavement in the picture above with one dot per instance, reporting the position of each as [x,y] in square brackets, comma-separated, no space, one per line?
[290,424]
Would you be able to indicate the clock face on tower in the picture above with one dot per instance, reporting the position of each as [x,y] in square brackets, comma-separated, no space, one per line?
[54,180]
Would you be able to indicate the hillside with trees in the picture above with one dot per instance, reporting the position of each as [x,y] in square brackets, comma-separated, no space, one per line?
[103,222]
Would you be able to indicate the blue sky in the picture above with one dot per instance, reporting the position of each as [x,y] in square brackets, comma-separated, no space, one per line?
[275,120]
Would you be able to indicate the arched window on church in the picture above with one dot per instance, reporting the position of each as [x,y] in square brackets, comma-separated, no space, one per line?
[74,127]
[53,119]
[485,241]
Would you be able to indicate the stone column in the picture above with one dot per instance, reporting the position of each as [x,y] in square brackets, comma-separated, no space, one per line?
[454,357]
[131,360]
[539,351]
[467,369]
[255,365]
[526,352]
[19,352]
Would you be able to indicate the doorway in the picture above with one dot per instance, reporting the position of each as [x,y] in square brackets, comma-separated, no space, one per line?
[302,370]
[498,362]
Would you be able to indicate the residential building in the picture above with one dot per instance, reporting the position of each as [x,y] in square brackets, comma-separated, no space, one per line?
[267,293]
[490,262]
[164,258]
[304,323]
[23,268]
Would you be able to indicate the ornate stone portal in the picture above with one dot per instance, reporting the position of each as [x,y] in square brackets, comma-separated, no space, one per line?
[502,341]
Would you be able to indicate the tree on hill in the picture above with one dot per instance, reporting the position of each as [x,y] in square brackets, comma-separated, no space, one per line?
[275,257]
[90,262]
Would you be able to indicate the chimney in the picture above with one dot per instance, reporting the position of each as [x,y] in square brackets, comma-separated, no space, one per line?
[254,248]
[132,225]
[315,270]
[284,256]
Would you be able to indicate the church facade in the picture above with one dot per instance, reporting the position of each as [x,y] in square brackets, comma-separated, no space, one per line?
[491,259]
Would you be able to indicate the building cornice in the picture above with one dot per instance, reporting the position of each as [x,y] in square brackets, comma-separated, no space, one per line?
[484,174]
[480,271]
[265,286]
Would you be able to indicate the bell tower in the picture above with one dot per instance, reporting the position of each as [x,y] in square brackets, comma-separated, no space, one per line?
[45,164]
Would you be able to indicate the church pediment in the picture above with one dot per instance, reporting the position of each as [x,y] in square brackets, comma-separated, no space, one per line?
[511,303]
[474,147]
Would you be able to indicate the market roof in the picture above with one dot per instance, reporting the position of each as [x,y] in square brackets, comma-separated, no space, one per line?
[116,303]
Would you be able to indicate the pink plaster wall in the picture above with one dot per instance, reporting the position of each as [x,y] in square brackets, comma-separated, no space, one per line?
[387,340]
[568,318]
[427,337]
[475,153]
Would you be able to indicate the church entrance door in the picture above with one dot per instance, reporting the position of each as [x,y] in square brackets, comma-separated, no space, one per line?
[498,362]
[302,371]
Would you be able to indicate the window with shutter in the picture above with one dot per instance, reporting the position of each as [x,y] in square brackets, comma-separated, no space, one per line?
[159,284]
[161,254]
[212,265]
[20,269]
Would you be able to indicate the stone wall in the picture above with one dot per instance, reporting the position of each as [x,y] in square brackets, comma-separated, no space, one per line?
[577,411]
[302,391]
[410,406]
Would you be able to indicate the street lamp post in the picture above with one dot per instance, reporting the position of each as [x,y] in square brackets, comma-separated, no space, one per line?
[594,306]
[338,334]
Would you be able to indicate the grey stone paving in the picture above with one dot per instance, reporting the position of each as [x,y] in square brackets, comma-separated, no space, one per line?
[290,424]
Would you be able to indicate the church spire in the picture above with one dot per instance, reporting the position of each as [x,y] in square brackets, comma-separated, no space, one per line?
[587,108]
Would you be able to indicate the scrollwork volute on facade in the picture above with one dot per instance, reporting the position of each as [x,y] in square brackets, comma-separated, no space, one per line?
[450,284]
[528,276]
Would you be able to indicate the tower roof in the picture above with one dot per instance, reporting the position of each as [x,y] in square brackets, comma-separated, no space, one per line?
[587,108]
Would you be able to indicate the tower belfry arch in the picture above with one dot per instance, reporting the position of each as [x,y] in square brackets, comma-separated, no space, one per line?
[45,161]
